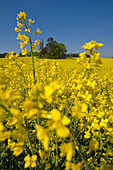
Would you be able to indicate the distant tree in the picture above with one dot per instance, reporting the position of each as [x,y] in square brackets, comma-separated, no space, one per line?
[54,49]
[70,55]
[50,46]
[73,55]
[34,54]
[2,55]
[43,51]
[20,54]
[59,50]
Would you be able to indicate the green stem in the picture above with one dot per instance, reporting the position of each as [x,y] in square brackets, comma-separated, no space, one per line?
[31,53]
[31,149]
[82,156]
[101,146]
[23,79]
[71,103]
[33,67]
[80,149]
[7,110]
[56,163]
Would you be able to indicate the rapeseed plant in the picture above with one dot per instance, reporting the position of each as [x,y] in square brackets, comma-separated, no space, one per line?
[50,120]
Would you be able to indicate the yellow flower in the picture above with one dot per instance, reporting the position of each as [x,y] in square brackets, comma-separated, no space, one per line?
[33,161]
[22,45]
[67,148]
[25,39]
[55,115]
[12,120]
[27,161]
[37,31]
[50,89]
[30,22]
[84,107]
[88,46]
[14,111]
[42,134]
[27,30]
[72,166]
[87,134]
[3,134]
[20,133]
[1,127]
[30,161]
[17,148]
[95,124]
[62,131]
[28,105]
[98,45]
[33,47]
[32,112]
[82,55]
[58,123]
[103,123]
[65,120]
[19,24]
[21,15]
[19,36]
[24,51]
[13,57]
[87,96]
[36,42]
[80,108]
[17,29]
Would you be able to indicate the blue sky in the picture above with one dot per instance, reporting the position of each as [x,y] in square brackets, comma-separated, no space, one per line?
[72,22]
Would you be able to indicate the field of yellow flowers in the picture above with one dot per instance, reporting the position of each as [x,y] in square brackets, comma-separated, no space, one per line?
[55,115]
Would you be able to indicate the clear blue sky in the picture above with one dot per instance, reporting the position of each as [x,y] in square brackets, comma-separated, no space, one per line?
[72,22]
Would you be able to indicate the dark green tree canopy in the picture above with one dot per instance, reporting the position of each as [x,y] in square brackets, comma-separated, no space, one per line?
[42,53]
[54,49]
[50,45]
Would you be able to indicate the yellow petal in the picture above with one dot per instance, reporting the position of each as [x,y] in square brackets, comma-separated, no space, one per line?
[55,115]
[33,158]
[84,107]
[27,164]
[46,141]
[32,112]
[33,164]
[65,120]
[63,132]
[27,158]
[1,127]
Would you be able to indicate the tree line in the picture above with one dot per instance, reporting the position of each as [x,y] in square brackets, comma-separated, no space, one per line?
[52,50]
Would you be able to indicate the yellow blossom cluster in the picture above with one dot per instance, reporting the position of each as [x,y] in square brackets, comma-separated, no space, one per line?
[21,23]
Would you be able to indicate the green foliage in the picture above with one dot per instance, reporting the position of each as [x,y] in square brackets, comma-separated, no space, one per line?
[55,50]
[59,51]
[42,53]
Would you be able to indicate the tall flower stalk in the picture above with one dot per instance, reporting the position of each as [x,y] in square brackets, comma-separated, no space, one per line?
[21,23]
[31,52]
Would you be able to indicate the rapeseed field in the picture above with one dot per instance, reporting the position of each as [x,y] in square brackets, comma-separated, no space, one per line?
[107,63]
[55,115]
